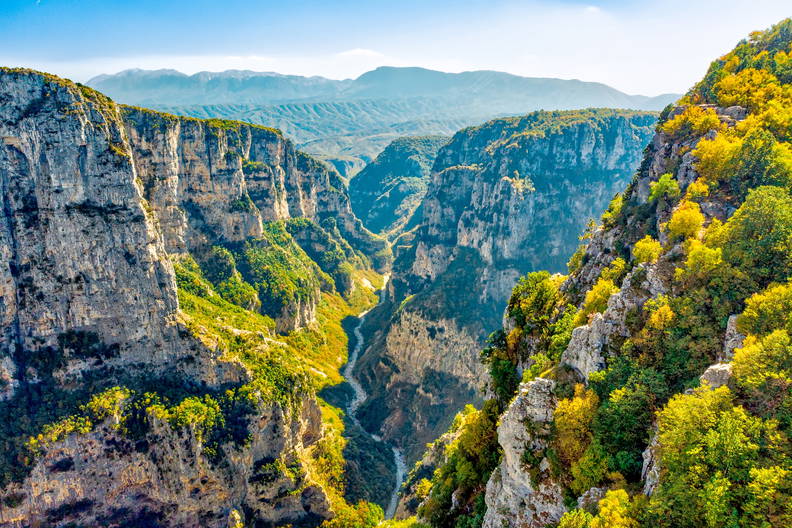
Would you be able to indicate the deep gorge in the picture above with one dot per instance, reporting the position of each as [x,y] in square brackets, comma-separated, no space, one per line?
[561,319]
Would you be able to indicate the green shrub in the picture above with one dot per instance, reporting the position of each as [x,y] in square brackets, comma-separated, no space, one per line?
[665,187]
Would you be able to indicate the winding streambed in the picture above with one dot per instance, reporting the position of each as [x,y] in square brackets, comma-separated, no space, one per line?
[360,397]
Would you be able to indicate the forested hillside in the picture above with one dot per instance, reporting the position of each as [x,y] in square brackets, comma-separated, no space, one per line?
[386,194]
[652,385]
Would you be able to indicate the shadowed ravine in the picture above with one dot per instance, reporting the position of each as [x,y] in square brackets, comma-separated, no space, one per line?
[360,397]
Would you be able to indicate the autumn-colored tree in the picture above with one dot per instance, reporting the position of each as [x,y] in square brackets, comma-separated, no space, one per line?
[687,220]
[647,250]
[665,186]
[572,422]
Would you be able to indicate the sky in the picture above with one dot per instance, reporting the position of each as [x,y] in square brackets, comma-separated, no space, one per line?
[640,47]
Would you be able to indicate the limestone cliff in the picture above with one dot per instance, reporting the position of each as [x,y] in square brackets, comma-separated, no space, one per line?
[166,480]
[504,198]
[217,414]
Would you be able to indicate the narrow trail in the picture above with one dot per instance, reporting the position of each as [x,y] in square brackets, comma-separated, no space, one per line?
[360,397]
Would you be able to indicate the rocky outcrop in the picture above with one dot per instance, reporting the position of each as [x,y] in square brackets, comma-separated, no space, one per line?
[505,198]
[732,340]
[516,498]
[717,375]
[606,331]
[419,387]
[165,480]
[650,471]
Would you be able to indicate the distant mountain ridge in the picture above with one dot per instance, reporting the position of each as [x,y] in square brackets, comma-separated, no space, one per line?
[348,122]
[171,87]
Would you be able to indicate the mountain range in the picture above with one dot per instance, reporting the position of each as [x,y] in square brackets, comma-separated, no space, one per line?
[348,122]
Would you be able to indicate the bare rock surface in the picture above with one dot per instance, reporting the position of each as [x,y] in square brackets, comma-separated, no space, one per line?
[514,498]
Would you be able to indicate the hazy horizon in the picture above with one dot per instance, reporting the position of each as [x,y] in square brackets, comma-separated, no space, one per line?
[646,49]
[274,73]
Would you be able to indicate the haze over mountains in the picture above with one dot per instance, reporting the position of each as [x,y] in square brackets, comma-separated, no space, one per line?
[348,122]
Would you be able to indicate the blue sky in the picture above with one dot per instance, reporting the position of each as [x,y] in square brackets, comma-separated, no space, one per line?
[645,47]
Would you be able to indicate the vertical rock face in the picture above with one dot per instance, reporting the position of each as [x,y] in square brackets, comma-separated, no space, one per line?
[499,189]
[96,201]
[592,343]
[515,497]
[210,180]
[504,198]
[80,251]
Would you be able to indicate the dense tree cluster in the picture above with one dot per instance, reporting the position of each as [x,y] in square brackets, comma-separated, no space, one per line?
[723,241]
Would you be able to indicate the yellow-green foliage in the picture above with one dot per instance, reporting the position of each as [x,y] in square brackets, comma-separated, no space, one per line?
[590,469]
[575,519]
[665,186]
[362,515]
[766,311]
[715,156]
[423,488]
[647,250]
[615,511]
[721,464]
[686,221]
[199,415]
[614,209]
[576,260]
[596,300]
[105,404]
[757,238]
[756,76]
[572,423]
[700,262]
[410,522]
[540,364]
[696,189]
[615,271]
[750,88]
[694,120]
[764,361]
[542,316]
[241,334]
[661,314]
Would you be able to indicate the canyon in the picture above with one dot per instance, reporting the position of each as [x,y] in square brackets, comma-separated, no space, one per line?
[570,318]
[504,198]
[349,122]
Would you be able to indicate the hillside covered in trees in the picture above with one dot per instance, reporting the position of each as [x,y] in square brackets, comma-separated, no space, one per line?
[652,385]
